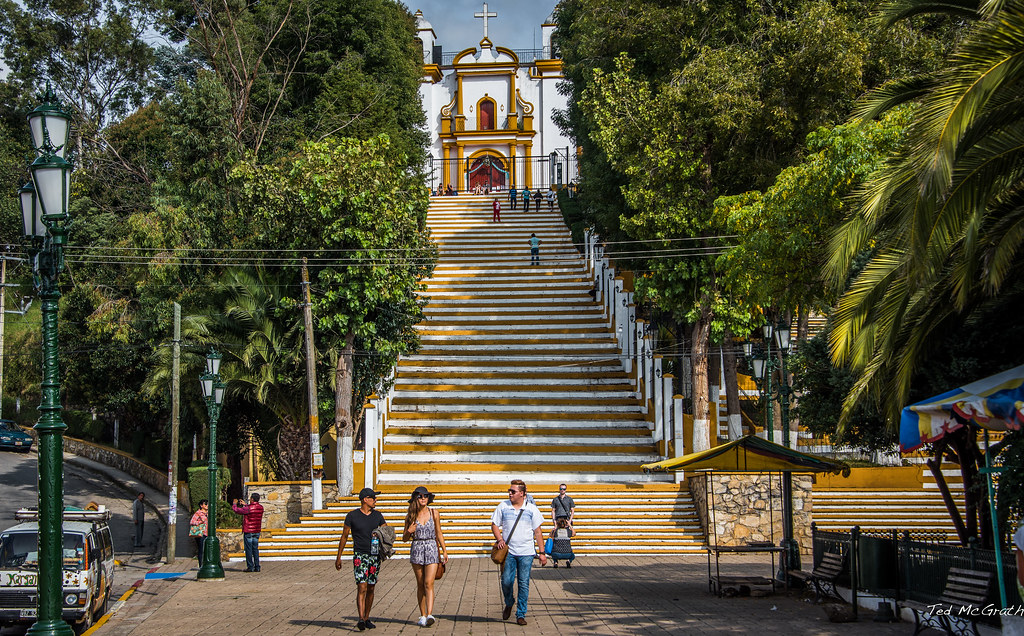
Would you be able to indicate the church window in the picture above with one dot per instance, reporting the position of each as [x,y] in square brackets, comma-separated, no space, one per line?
[486,115]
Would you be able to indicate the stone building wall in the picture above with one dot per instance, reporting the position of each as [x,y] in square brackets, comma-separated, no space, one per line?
[285,501]
[744,507]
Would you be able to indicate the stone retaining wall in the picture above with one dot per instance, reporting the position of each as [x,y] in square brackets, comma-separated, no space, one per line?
[113,458]
[285,501]
[746,507]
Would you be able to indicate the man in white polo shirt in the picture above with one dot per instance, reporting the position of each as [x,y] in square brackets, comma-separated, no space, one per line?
[517,523]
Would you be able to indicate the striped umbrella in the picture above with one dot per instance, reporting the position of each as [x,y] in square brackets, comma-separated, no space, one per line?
[995,403]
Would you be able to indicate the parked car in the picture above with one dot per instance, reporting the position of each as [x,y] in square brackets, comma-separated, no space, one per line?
[11,436]
[88,568]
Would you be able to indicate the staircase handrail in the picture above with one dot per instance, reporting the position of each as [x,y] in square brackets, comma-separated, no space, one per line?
[637,344]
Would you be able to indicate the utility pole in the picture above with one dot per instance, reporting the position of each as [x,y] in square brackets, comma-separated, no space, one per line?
[316,457]
[172,512]
[3,311]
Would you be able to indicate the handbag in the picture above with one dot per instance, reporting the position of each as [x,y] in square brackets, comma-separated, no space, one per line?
[440,572]
[549,546]
[196,531]
[498,554]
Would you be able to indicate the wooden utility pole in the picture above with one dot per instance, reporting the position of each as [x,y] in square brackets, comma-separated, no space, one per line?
[172,513]
[316,457]
[3,311]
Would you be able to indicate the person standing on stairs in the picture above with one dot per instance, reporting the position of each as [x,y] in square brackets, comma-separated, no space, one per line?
[562,506]
[361,523]
[428,551]
[516,523]
[534,250]
[512,197]
[496,206]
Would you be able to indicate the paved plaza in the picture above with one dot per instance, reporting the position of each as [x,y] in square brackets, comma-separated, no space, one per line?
[599,595]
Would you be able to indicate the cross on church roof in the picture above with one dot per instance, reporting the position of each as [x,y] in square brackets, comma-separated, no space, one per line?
[485,15]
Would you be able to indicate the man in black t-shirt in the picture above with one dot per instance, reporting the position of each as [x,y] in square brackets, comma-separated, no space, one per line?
[562,506]
[361,523]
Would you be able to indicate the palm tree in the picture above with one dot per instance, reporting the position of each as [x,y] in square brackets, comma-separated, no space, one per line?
[264,357]
[943,220]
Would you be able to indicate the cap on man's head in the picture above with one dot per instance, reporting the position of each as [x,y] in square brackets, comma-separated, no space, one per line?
[367,492]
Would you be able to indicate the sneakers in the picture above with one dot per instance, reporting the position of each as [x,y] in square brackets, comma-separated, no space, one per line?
[361,625]
[505,613]
[431,620]
[369,624]
[520,621]
[422,622]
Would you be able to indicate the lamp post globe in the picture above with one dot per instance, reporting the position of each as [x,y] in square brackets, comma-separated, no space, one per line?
[44,207]
[50,126]
[213,393]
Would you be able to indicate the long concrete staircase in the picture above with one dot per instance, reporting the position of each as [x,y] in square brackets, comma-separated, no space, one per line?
[518,376]
[905,498]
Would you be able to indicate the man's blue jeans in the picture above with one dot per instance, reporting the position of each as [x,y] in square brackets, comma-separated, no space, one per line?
[251,540]
[517,568]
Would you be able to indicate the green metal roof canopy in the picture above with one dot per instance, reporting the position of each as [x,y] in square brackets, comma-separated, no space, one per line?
[751,454]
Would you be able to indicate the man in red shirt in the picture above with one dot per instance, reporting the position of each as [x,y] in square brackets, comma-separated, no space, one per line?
[252,522]
[497,210]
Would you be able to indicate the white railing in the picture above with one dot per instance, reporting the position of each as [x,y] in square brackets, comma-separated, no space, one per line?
[375,418]
[637,344]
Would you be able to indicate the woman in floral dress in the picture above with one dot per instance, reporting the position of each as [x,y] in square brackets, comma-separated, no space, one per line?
[423,528]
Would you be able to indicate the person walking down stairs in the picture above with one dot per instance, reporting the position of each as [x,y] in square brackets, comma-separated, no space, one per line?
[534,250]
[496,206]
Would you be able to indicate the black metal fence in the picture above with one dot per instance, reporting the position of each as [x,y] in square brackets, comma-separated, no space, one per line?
[557,169]
[910,565]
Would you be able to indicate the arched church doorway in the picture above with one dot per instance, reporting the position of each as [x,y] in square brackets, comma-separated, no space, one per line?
[488,171]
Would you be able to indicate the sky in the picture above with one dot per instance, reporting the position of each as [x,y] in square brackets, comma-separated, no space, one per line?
[516,27]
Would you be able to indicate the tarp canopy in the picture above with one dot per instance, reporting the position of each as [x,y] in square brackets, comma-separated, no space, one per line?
[995,403]
[750,454]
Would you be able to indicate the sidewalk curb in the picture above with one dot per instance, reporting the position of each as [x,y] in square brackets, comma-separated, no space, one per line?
[117,606]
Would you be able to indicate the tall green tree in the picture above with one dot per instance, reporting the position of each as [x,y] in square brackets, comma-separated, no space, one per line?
[354,210]
[94,54]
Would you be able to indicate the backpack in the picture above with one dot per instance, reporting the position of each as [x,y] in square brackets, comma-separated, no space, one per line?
[386,536]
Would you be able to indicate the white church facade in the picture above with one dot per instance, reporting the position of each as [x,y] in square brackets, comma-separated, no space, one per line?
[490,114]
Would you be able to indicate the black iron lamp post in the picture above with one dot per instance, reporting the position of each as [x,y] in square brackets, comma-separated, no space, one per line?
[764,365]
[44,210]
[213,391]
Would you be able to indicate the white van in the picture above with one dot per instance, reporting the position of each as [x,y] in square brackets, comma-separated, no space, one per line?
[88,568]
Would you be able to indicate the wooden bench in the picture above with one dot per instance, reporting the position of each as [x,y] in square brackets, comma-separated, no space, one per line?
[966,592]
[824,576]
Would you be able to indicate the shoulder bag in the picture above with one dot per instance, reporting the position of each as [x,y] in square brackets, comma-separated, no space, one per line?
[440,566]
[498,554]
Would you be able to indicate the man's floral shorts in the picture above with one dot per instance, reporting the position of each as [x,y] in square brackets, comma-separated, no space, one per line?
[366,567]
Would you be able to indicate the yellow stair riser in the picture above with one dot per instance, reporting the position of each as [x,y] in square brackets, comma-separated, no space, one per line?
[582,450]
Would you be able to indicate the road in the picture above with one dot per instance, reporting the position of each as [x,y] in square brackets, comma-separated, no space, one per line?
[18,489]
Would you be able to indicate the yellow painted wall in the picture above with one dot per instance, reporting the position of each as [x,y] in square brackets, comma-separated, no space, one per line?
[874,478]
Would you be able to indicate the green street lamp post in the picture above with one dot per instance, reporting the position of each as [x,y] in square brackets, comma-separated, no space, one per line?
[213,391]
[44,209]
[764,366]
